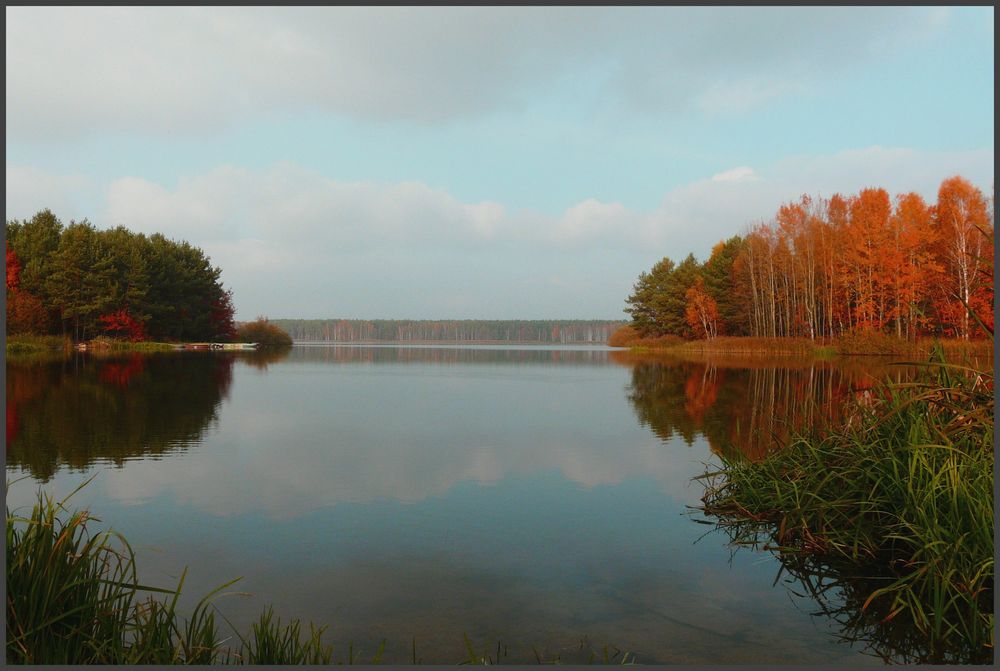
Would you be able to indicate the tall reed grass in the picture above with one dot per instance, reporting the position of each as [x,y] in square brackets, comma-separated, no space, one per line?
[74,598]
[35,344]
[849,344]
[905,483]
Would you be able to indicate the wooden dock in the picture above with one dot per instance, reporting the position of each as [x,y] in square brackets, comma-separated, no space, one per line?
[218,346]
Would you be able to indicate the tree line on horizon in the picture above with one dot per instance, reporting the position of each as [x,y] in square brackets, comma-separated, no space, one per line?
[454,330]
[825,267]
[81,282]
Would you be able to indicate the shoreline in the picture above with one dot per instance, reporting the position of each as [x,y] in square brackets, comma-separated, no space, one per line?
[822,349]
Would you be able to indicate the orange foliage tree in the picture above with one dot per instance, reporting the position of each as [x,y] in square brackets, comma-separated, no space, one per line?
[864,263]
[702,312]
[961,216]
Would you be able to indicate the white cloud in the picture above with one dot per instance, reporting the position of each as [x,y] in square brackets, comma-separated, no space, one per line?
[78,71]
[292,242]
[735,175]
[30,189]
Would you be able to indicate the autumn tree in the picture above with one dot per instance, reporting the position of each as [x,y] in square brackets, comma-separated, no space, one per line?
[720,273]
[13,266]
[264,333]
[961,215]
[84,281]
[825,267]
[913,264]
[702,312]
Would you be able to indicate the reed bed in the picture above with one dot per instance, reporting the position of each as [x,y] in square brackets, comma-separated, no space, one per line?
[74,598]
[105,344]
[36,344]
[852,344]
[906,483]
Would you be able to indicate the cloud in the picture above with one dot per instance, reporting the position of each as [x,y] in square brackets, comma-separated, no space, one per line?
[735,175]
[294,243]
[303,209]
[193,70]
[30,189]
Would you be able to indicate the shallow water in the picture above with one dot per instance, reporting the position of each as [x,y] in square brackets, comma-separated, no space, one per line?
[538,496]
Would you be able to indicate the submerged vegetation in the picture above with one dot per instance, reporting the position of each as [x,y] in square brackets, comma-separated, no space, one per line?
[899,498]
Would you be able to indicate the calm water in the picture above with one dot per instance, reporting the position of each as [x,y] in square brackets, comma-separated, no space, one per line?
[537,496]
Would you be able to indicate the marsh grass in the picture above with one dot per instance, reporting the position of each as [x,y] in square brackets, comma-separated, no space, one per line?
[906,483]
[106,344]
[74,598]
[36,344]
[849,344]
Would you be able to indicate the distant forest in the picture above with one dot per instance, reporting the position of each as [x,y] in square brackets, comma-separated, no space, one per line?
[465,330]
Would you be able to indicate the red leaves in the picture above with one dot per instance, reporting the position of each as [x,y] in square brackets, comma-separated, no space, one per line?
[119,373]
[25,313]
[123,324]
[13,269]
[223,313]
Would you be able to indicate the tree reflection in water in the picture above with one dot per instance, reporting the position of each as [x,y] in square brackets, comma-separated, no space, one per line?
[746,408]
[82,409]
[841,589]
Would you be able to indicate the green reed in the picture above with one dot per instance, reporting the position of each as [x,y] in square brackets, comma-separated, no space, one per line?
[35,344]
[74,598]
[905,483]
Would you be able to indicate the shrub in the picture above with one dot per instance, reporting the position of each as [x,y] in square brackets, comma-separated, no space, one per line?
[623,337]
[263,333]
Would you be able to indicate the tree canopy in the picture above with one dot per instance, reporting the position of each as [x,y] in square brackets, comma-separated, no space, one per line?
[826,267]
[83,282]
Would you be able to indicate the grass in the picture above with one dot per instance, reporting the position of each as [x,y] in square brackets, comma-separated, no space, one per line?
[103,343]
[905,484]
[74,598]
[857,344]
[35,344]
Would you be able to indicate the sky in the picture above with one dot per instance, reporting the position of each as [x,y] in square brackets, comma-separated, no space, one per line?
[477,162]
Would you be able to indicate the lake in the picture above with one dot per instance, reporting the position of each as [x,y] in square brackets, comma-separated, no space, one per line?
[537,496]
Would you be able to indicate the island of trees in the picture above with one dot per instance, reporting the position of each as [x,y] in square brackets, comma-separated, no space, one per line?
[826,267]
[81,282]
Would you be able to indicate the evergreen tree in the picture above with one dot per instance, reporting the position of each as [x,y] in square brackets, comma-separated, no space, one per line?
[646,316]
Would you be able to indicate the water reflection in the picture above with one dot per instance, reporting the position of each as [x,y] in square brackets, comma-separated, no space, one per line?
[506,492]
[746,407]
[448,415]
[82,409]
[501,355]
[841,590]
